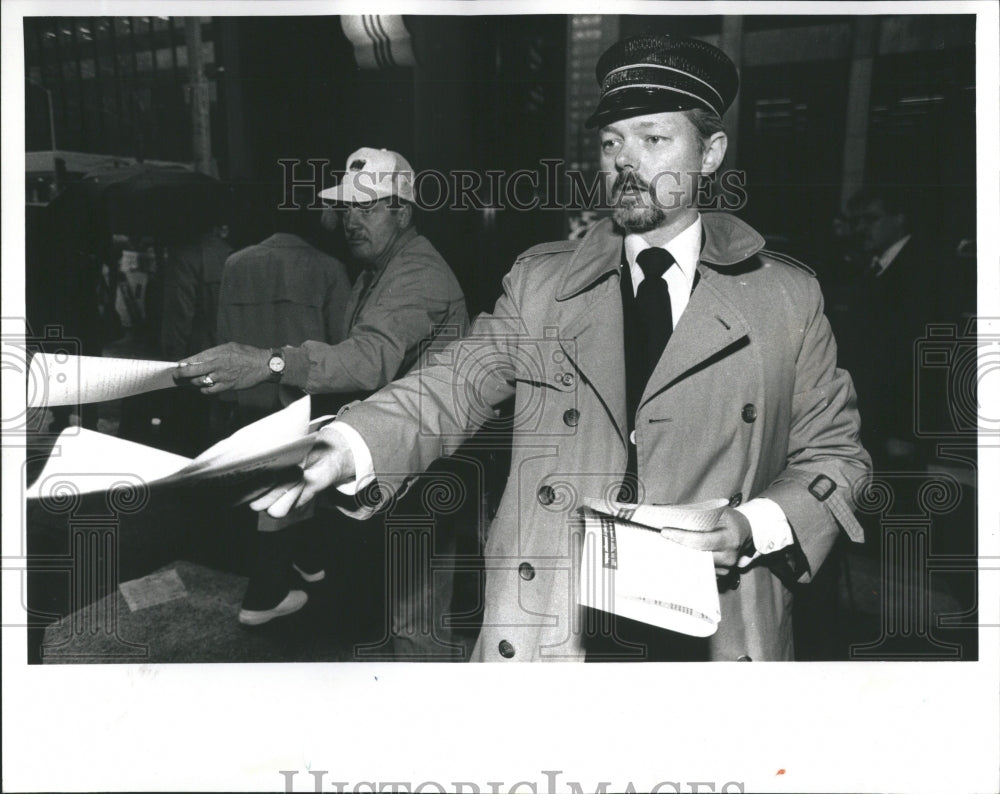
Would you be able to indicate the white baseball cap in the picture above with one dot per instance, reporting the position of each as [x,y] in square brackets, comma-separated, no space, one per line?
[372,174]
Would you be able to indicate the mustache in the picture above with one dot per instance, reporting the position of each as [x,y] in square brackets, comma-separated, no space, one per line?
[627,180]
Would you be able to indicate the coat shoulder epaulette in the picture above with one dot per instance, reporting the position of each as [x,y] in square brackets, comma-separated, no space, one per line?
[788,260]
[555,247]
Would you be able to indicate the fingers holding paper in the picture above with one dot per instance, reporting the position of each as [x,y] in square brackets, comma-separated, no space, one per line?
[224,367]
[728,540]
[329,462]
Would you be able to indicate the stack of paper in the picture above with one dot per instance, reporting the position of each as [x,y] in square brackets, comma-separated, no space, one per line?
[629,569]
[61,379]
[83,461]
[87,462]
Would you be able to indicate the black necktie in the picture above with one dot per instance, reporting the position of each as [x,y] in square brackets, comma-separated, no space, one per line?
[652,304]
[648,325]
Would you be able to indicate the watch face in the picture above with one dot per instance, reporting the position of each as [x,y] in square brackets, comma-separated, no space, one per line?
[276,364]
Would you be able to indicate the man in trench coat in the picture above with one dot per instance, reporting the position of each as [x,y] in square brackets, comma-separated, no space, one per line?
[744,403]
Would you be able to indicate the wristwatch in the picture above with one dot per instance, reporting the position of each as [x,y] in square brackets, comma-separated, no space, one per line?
[276,365]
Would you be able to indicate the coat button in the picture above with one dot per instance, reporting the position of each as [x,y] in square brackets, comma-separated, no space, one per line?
[568,379]
[571,417]
[527,571]
[506,649]
[741,658]
[749,412]
[546,495]
[736,500]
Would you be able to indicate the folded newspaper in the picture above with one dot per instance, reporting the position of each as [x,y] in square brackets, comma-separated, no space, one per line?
[629,569]
[251,459]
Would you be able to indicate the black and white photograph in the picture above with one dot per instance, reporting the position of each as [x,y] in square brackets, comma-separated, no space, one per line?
[347,344]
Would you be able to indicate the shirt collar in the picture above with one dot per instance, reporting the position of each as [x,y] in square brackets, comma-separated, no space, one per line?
[892,252]
[685,248]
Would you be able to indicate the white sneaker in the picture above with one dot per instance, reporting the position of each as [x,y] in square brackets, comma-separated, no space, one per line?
[312,578]
[293,602]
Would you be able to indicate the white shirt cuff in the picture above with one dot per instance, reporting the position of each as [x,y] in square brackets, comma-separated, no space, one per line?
[364,468]
[769,527]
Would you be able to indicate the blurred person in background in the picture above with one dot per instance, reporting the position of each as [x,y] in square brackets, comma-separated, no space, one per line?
[186,318]
[906,282]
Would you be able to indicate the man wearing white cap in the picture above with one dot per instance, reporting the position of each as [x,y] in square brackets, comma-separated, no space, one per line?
[665,358]
[405,297]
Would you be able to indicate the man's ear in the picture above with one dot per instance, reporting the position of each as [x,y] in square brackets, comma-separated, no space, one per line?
[405,216]
[715,151]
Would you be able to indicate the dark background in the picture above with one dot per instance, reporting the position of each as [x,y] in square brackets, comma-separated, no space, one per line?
[504,92]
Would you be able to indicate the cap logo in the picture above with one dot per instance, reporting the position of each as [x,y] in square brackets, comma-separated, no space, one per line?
[370,175]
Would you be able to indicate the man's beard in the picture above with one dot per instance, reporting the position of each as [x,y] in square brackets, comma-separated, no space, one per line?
[634,212]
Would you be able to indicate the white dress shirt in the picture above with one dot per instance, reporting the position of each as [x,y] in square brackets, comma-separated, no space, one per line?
[768,523]
[881,263]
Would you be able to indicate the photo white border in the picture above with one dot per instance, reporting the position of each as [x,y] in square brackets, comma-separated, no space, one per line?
[856,726]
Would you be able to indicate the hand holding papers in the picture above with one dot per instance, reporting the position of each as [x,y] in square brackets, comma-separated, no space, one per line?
[628,568]
[330,462]
[253,458]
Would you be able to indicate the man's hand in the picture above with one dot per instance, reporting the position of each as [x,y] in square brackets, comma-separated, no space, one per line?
[228,366]
[329,462]
[729,541]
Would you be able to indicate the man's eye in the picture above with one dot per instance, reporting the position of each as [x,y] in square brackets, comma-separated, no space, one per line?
[654,139]
[609,145]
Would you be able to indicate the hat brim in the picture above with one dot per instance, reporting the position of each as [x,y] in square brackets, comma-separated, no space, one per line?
[349,193]
[366,187]
[632,102]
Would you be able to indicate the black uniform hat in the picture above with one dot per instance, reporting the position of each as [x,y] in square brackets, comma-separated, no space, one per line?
[658,74]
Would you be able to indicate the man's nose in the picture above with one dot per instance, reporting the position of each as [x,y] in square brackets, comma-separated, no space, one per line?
[626,159]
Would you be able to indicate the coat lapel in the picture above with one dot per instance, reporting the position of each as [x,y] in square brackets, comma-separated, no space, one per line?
[710,324]
[593,326]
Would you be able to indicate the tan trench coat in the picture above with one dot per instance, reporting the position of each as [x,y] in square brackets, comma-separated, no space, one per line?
[746,401]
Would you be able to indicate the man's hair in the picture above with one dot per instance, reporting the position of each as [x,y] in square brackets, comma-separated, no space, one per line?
[706,122]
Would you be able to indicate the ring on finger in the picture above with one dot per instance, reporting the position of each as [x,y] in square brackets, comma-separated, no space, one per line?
[207,381]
